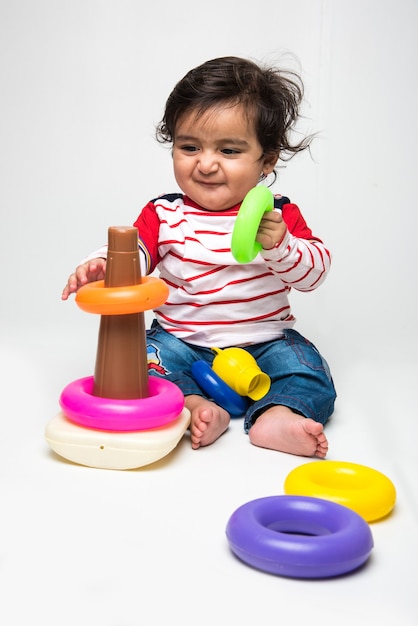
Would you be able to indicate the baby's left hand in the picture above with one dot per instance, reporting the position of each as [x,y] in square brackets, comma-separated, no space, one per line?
[271,230]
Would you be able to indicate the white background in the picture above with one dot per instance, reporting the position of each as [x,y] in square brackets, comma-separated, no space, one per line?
[82,85]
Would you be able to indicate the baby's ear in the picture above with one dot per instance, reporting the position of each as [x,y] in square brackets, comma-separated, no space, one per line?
[269,162]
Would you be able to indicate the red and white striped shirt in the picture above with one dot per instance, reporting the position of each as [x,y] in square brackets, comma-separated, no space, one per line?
[213,299]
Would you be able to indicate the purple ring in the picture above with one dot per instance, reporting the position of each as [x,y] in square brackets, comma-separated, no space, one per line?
[299,536]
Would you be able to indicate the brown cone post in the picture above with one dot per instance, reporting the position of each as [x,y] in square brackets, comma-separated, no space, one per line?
[121,370]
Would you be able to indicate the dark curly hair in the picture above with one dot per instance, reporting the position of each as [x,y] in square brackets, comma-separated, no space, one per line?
[270,96]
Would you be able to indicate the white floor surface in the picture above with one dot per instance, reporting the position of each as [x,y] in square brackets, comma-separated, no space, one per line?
[86,547]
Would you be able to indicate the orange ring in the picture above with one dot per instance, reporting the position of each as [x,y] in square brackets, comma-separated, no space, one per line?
[96,298]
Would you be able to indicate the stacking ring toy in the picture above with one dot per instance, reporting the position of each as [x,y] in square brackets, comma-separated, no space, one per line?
[362,489]
[96,298]
[244,247]
[164,405]
[299,537]
[218,390]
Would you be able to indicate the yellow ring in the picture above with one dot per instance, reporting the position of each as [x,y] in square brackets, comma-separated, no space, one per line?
[364,490]
[96,298]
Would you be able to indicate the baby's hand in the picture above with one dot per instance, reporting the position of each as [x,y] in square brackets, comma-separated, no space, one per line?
[271,230]
[86,273]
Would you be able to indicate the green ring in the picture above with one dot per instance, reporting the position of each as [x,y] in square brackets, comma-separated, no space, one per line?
[244,247]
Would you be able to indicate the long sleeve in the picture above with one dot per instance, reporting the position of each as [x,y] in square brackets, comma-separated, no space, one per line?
[300,263]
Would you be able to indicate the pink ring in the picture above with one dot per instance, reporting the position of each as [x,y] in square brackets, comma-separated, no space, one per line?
[163,405]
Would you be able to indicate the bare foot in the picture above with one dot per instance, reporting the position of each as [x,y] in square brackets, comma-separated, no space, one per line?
[208,421]
[281,429]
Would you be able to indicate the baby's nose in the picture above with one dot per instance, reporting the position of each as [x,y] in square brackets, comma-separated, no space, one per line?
[208,163]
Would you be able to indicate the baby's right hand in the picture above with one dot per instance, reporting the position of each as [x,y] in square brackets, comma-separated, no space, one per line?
[86,273]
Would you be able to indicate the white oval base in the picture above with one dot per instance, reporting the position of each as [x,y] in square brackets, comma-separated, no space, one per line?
[114,450]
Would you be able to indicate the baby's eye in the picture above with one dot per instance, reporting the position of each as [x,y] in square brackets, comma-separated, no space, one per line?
[229,151]
[188,148]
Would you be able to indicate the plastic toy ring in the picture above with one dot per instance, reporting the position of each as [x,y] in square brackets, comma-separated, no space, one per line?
[244,247]
[362,489]
[164,405]
[94,297]
[299,537]
[218,390]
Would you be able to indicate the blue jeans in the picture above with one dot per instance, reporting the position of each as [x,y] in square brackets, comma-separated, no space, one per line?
[300,376]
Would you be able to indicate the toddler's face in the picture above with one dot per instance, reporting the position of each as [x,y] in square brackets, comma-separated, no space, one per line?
[217,157]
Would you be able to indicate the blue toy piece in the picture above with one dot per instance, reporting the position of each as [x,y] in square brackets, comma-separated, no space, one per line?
[218,390]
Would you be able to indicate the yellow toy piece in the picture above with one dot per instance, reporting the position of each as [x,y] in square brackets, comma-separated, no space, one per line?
[363,489]
[240,371]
